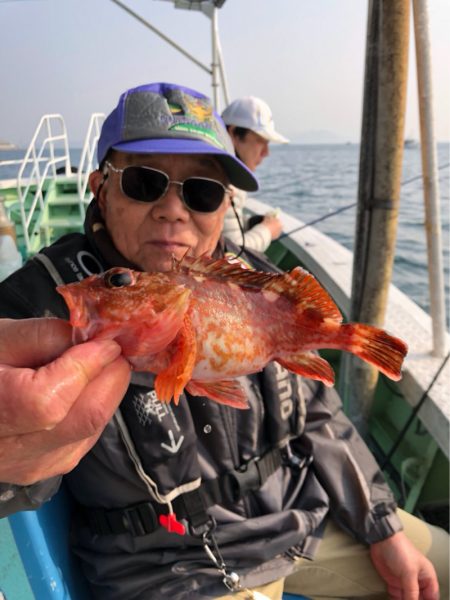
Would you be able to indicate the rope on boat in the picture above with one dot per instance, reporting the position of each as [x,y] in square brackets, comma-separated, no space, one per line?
[347,207]
[401,435]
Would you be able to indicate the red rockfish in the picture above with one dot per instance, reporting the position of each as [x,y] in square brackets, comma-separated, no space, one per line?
[209,321]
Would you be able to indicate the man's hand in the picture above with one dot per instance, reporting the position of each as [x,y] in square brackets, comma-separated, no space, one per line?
[408,573]
[55,398]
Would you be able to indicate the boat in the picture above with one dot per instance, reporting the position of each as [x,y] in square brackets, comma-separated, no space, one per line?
[7,145]
[410,143]
[407,423]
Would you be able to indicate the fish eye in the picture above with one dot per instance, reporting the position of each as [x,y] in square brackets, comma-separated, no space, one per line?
[119,278]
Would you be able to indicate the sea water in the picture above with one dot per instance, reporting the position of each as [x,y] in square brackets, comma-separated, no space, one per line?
[312,181]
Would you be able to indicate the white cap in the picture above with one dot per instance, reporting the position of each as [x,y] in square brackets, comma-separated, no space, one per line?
[253,113]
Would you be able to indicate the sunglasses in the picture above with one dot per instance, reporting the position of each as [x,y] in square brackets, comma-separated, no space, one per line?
[145,184]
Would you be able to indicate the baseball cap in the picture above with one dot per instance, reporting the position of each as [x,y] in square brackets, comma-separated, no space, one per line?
[255,114]
[165,118]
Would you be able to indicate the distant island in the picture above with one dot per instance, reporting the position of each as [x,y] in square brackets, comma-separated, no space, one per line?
[7,145]
[319,136]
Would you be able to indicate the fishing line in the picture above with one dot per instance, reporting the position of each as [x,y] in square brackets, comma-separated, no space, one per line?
[421,176]
[347,207]
[387,460]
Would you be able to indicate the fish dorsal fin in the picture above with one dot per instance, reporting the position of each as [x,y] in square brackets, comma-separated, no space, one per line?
[223,269]
[305,291]
[298,286]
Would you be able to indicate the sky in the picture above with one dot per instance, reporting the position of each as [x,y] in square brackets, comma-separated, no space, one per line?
[304,57]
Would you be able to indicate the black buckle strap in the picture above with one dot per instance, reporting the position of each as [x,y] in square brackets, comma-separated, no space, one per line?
[249,477]
[227,489]
[140,519]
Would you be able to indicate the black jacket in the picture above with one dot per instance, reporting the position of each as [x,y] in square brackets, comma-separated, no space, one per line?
[132,463]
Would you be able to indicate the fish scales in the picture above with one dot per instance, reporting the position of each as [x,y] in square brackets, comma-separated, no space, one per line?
[206,322]
[233,340]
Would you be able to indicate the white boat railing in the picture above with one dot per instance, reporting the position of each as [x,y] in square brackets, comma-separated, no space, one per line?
[88,160]
[50,136]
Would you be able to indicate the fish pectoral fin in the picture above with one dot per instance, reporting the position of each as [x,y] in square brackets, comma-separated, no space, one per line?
[227,391]
[171,382]
[309,365]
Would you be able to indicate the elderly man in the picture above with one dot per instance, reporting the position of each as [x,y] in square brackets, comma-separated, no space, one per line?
[198,500]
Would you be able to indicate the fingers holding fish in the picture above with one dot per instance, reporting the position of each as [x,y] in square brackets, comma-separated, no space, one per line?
[71,395]
[53,388]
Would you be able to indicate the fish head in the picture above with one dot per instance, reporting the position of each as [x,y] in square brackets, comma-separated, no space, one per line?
[142,311]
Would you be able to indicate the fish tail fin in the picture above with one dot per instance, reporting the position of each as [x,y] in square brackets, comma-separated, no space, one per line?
[309,365]
[374,346]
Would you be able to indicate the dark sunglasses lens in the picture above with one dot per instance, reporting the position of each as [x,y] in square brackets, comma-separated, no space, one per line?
[145,185]
[202,195]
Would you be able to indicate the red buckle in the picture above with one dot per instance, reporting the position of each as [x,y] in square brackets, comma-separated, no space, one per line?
[170,523]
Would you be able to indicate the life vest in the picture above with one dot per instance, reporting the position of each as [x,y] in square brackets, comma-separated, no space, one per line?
[161,439]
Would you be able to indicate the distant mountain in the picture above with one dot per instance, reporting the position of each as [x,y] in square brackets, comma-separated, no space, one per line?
[318,136]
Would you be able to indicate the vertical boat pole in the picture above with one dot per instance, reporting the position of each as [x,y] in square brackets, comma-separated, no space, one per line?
[380,169]
[430,177]
[223,78]
[215,65]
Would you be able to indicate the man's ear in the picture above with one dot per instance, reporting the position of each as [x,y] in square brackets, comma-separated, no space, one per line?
[96,181]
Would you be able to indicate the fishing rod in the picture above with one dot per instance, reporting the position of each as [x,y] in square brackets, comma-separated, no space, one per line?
[347,207]
[335,212]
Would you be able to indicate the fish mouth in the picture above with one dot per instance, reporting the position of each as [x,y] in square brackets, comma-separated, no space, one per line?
[78,306]
[81,312]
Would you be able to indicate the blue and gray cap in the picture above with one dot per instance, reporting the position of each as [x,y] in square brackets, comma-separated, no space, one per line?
[164,118]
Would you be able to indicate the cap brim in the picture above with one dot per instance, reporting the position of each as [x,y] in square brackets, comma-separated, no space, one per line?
[237,172]
[272,136]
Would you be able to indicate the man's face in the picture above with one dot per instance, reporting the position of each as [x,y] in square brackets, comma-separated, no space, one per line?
[150,234]
[252,149]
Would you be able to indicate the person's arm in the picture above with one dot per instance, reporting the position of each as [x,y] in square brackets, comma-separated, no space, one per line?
[55,400]
[261,235]
[360,499]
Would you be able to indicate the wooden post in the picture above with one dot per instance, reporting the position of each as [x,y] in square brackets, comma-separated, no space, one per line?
[381,153]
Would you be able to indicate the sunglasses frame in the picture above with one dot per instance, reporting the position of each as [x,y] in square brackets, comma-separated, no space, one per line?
[226,190]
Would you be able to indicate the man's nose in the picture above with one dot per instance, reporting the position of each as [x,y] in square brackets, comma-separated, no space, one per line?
[171,206]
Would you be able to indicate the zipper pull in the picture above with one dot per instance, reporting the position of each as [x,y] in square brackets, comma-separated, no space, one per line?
[171,523]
